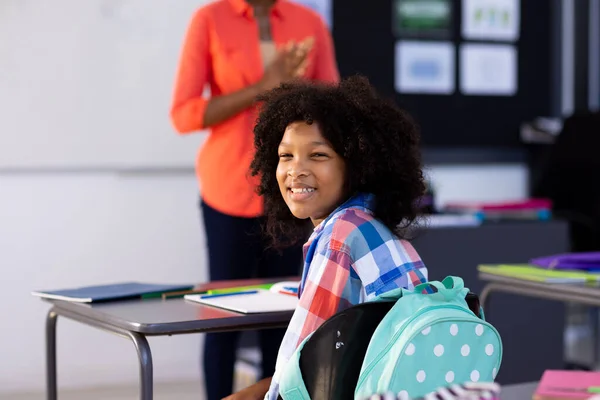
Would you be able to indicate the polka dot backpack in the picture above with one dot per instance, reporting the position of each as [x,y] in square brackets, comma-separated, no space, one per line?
[428,341]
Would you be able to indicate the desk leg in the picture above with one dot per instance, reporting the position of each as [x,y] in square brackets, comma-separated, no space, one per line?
[595,336]
[484,299]
[145,357]
[51,355]
[139,341]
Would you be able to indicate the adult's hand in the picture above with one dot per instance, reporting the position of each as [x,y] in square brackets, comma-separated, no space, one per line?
[290,62]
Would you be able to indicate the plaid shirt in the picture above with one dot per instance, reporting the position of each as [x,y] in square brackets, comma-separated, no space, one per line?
[350,258]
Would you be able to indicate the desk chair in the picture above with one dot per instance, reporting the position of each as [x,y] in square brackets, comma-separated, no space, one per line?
[331,359]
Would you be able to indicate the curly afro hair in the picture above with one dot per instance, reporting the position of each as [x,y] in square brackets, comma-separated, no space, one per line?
[378,141]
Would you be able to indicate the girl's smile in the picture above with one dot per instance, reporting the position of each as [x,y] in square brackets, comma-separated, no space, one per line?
[300,192]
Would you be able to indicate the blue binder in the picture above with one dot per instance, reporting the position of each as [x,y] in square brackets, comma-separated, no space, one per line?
[117,291]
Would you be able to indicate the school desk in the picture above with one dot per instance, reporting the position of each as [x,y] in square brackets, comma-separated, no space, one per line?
[137,319]
[573,293]
[519,391]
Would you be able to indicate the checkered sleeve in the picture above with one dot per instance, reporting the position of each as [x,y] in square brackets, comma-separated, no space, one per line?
[323,292]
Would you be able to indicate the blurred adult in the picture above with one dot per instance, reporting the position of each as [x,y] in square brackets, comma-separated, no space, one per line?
[239,49]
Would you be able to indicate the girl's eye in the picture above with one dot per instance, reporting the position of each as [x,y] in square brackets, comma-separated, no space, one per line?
[319,155]
[285,155]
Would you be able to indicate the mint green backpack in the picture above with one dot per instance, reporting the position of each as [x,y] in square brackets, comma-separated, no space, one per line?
[428,341]
[424,342]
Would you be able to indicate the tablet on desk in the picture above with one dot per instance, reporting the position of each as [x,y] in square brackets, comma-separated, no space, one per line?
[249,302]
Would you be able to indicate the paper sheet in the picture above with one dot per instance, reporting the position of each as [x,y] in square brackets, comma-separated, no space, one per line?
[264,301]
[424,67]
[487,69]
[491,19]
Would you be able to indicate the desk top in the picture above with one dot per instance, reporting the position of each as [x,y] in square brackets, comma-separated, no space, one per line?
[592,290]
[578,293]
[520,391]
[173,316]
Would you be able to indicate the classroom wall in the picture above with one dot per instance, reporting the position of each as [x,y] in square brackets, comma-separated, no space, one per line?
[63,230]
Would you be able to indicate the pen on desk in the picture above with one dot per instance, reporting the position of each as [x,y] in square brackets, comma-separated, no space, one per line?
[174,295]
[210,296]
[239,289]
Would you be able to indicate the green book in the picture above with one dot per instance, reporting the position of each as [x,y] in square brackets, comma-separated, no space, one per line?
[537,274]
[265,286]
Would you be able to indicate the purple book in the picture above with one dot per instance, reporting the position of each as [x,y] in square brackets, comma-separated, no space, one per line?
[583,261]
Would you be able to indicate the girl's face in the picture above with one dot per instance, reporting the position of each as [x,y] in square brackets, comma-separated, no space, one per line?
[310,174]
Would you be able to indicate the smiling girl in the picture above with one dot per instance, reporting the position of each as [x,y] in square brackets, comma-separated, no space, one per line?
[346,162]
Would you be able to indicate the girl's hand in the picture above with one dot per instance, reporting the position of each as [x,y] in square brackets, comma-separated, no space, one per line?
[254,392]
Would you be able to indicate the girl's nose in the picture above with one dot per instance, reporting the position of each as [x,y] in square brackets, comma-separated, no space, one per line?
[297,169]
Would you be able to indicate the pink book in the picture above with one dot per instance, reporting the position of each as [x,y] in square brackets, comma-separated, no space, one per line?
[566,385]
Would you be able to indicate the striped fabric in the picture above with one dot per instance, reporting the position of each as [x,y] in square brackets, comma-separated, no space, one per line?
[466,391]
[350,258]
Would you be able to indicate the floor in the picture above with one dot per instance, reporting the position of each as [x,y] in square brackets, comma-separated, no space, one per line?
[168,391]
[245,376]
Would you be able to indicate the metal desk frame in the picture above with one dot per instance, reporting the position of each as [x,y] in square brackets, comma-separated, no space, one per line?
[586,295]
[580,294]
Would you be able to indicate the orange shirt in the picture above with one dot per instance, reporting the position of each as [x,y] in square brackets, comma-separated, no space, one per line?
[222,50]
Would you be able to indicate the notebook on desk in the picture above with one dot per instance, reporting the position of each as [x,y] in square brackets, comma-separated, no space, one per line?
[117,291]
[254,301]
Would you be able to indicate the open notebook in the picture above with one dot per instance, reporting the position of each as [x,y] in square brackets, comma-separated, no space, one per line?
[275,299]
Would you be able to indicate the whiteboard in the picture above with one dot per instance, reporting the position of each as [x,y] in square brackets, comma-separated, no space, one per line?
[88,83]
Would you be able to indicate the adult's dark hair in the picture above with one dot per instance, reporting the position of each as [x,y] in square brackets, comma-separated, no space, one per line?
[378,141]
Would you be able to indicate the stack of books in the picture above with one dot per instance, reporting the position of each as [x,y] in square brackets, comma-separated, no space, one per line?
[529,209]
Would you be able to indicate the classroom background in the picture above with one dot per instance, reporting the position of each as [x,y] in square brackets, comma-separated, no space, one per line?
[96,187]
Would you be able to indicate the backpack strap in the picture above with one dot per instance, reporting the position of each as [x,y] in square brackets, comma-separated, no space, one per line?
[291,384]
[450,288]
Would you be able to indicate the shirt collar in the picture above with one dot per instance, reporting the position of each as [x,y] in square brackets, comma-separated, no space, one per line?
[364,201]
[241,7]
